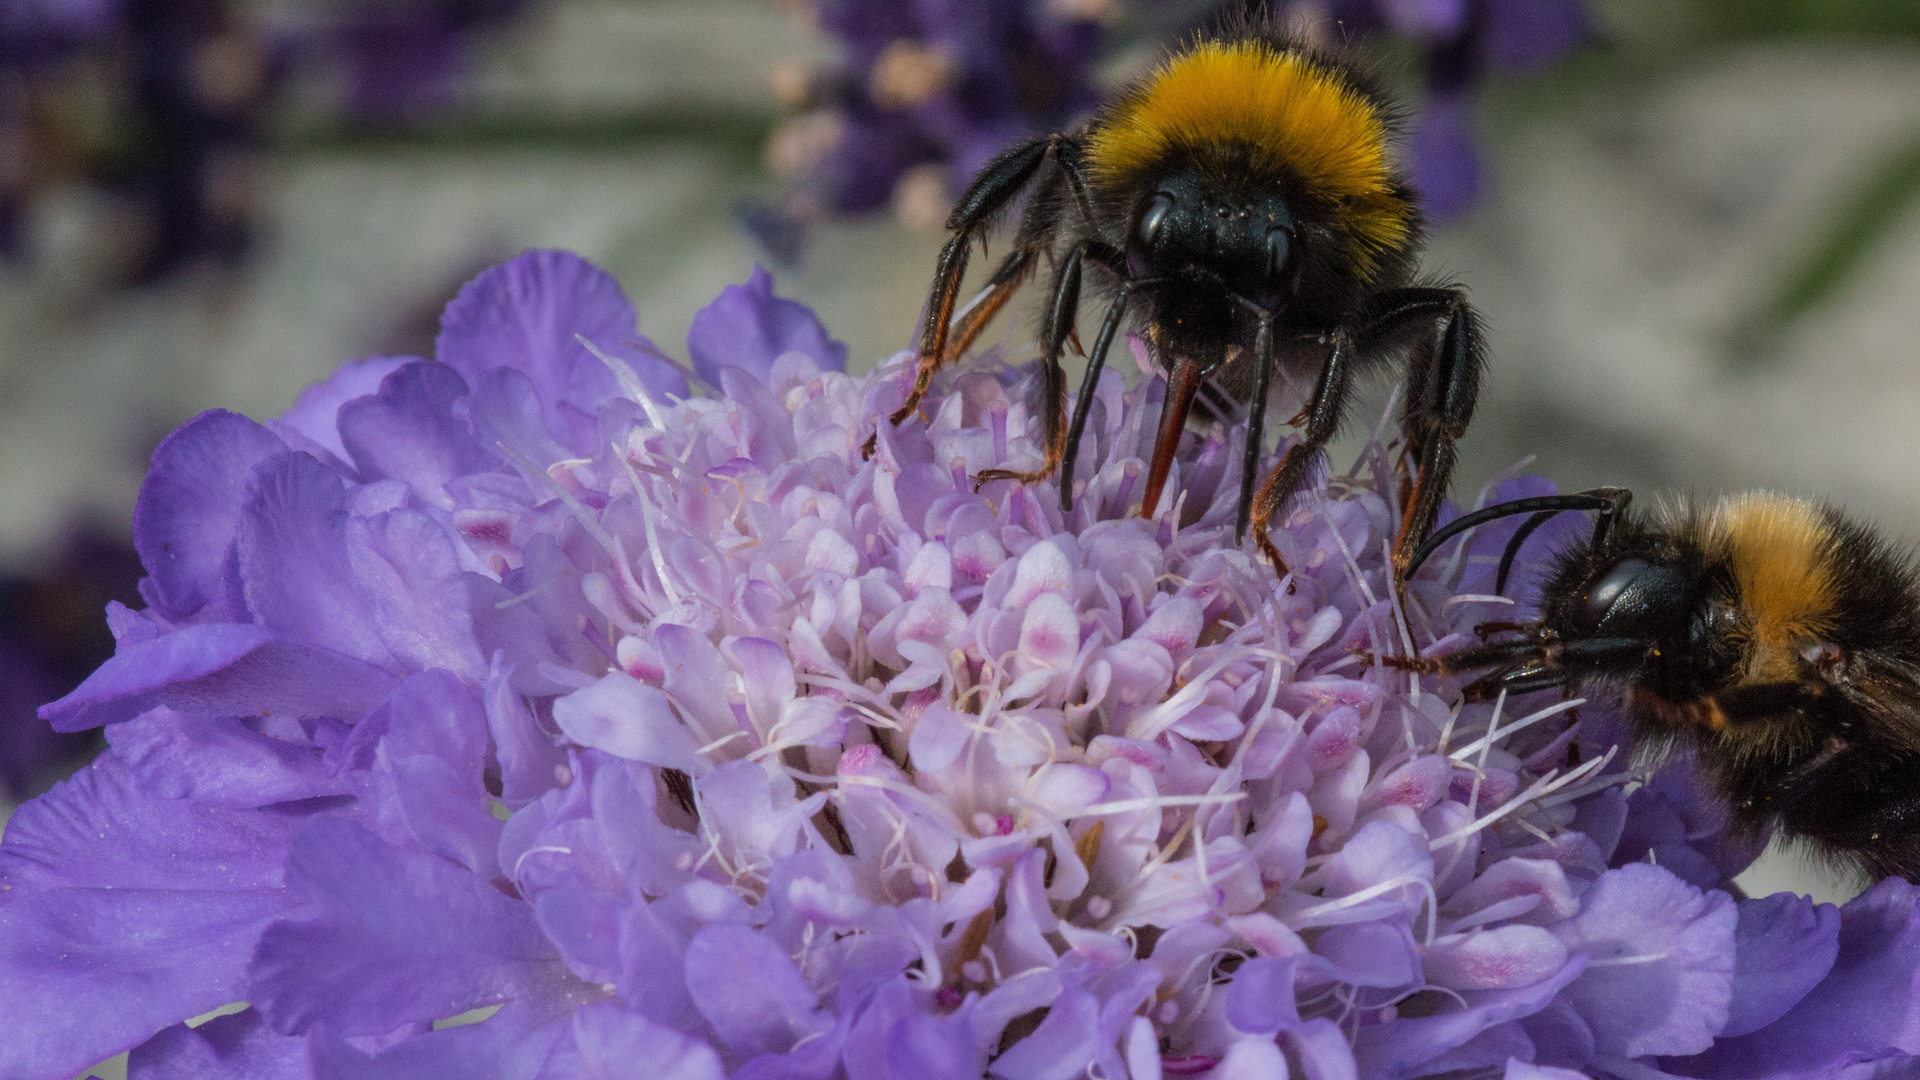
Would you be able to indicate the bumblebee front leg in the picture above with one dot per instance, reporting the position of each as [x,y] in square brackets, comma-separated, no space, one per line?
[1443,383]
[1323,417]
[991,192]
[1053,410]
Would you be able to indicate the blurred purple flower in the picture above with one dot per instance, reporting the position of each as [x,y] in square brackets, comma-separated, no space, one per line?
[922,96]
[51,638]
[701,746]
[403,60]
[1461,42]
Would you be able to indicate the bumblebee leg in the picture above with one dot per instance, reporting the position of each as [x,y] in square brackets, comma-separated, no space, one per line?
[1012,273]
[1323,417]
[1256,429]
[1443,383]
[1060,313]
[1083,405]
[1003,179]
[1762,701]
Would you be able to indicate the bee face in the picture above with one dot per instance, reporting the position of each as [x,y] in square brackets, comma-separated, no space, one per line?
[1184,231]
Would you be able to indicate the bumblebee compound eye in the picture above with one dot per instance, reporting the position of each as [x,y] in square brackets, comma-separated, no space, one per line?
[1632,598]
[1153,219]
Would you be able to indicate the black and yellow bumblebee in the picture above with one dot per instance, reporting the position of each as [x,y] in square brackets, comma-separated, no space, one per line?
[1776,637]
[1241,206]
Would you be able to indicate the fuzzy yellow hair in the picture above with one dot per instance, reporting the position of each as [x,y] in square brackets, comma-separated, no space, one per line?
[1781,553]
[1288,111]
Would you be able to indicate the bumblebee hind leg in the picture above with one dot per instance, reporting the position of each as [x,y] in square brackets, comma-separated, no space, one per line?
[1053,410]
[1322,419]
[1443,384]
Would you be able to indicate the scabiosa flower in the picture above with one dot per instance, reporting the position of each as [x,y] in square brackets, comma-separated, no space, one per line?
[922,96]
[691,744]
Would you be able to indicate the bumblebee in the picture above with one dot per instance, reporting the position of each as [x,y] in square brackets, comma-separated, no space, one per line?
[1240,207]
[1776,637]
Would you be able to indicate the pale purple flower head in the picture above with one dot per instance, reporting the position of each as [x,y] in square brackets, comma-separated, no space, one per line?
[700,746]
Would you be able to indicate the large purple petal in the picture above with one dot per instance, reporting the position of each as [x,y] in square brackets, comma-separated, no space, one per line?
[190,506]
[400,937]
[616,1044]
[427,770]
[238,1046]
[749,990]
[525,313]
[1783,946]
[748,327]
[416,591]
[221,669]
[293,559]
[315,415]
[520,1042]
[415,430]
[1866,1009]
[220,761]
[1661,981]
[1391,1051]
[122,913]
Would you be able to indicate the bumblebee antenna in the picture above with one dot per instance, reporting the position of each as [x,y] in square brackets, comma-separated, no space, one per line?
[1611,502]
[1520,535]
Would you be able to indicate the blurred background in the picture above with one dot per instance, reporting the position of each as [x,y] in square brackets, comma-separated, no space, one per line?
[1694,225]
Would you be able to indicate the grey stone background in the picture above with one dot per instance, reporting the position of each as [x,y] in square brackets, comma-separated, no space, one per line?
[1632,227]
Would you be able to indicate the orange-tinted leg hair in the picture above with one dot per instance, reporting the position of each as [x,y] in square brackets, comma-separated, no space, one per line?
[1323,418]
[1003,179]
[1053,410]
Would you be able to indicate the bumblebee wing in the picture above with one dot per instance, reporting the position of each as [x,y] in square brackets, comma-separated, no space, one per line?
[1886,692]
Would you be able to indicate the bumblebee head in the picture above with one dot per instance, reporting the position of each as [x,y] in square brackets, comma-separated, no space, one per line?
[1255,157]
[1184,230]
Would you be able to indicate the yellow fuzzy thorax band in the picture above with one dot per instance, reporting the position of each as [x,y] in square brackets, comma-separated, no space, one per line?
[1781,553]
[1285,109]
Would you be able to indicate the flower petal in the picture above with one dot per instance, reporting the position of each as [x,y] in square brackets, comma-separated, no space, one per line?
[1783,946]
[122,913]
[1662,977]
[1395,1050]
[748,989]
[616,1044]
[190,506]
[396,937]
[315,415]
[525,313]
[629,719]
[1498,959]
[748,327]
[415,430]
[1866,1009]
[293,560]
[238,1046]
